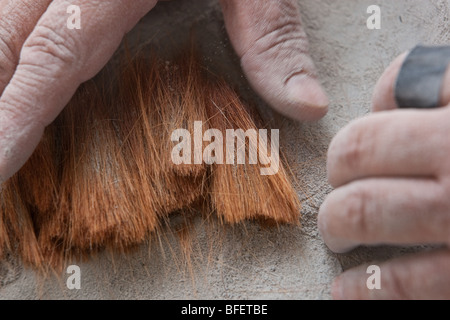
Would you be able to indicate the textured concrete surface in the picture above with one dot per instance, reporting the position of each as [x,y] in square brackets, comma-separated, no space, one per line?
[247,262]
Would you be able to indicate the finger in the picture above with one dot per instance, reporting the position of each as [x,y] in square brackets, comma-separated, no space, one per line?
[417,277]
[400,143]
[385,211]
[384,92]
[268,37]
[17,20]
[53,62]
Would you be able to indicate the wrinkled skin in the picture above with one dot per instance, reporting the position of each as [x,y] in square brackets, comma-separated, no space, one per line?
[42,62]
[391,171]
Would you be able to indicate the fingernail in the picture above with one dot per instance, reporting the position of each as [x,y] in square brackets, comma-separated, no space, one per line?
[310,97]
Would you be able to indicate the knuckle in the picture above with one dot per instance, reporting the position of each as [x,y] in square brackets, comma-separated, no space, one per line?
[351,151]
[285,38]
[284,31]
[49,50]
[356,212]
[285,45]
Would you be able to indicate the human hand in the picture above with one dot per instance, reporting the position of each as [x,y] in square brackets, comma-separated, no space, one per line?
[392,175]
[42,62]
[270,41]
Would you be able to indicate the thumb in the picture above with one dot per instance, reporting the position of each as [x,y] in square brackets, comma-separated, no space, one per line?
[273,48]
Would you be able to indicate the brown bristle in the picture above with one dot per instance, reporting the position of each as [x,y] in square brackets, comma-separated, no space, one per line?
[103,177]
[18,232]
[241,192]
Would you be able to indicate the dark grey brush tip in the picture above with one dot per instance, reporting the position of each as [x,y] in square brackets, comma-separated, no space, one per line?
[420,79]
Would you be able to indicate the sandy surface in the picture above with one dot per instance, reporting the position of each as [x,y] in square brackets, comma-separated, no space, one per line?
[250,263]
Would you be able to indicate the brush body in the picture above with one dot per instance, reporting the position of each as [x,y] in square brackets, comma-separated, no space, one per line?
[103,177]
